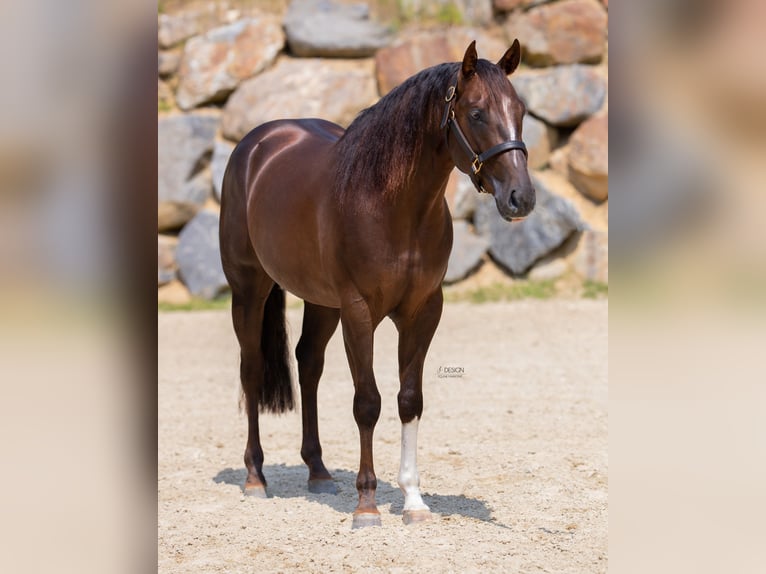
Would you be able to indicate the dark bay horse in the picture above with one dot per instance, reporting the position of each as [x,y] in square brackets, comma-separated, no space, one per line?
[355,223]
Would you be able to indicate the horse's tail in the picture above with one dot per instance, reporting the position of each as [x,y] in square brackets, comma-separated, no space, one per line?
[277,390]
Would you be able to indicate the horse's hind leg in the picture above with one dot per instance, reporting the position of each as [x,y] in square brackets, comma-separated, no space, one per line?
[319,323]
[248,304]
[416,329]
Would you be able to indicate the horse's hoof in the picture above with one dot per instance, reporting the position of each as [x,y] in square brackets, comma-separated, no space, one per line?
[256,491]
[365,519]
[322,486]
[413,516]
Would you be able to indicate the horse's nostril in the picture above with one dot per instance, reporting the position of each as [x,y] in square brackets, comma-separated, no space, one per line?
[514,202]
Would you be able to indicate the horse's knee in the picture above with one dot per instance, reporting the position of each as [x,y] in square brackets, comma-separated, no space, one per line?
[410,401]
[367,407]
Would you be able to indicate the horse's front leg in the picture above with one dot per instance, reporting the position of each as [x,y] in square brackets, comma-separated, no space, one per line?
[358,328]
[417,324]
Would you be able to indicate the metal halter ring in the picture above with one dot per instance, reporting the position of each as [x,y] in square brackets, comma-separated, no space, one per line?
[474,167]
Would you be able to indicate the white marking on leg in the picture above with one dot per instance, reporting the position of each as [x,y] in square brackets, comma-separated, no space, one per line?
[409,479]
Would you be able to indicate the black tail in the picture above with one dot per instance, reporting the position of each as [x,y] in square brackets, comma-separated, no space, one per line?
[277,392]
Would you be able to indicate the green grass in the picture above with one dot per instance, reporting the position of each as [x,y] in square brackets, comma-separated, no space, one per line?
[594,289]
[449,14]
[197,304]
[504,292]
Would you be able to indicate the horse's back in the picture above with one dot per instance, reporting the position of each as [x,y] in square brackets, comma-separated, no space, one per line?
[277,185]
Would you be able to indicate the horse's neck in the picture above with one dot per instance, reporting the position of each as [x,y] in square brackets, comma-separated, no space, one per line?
[429,181]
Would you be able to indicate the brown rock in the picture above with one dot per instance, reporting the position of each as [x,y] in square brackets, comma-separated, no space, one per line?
[397,62]
[214,64]
[173,214]
[166,258]
[589,158]
[335,90]
[174,293]
[591,259]
[565,32]
[559,161]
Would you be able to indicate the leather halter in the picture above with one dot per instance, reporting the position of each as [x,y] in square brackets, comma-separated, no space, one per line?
[477,159]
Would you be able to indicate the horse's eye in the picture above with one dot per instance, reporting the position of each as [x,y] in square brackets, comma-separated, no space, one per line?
[475,114]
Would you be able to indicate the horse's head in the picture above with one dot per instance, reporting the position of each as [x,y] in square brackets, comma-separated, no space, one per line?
[483,118]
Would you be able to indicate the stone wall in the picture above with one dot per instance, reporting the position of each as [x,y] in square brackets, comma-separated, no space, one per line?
[226,66]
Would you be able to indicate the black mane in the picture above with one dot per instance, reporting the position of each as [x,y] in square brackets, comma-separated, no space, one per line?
[380,149]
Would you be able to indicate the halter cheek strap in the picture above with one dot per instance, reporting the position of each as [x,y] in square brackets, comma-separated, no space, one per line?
[477,159]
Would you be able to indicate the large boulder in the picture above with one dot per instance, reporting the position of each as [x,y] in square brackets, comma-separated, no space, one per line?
[563,32]
[335,90]
[516,246]
[214,64]
[591,259]
[184,143]
[467,252]
[595,215]
[589,157]
[199,257]
[460,195]
[327,29]
[399,61]
[221,153]
[540,138]
[166,259]
[562,96]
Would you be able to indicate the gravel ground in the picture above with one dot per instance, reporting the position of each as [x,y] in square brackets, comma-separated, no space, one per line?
[512,455]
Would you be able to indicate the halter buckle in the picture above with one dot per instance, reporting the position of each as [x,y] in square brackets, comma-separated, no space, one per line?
[476,165]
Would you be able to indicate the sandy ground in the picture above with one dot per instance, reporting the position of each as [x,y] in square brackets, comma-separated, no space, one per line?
[512,455]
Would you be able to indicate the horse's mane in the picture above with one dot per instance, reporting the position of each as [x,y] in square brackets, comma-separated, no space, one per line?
[380,149]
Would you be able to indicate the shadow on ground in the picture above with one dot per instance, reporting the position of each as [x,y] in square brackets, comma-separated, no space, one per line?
[290,482]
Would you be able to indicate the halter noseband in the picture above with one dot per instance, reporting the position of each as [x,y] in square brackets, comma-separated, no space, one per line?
[477,159]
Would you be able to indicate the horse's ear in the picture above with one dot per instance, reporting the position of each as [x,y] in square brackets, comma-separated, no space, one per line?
[469,61]
[510,60]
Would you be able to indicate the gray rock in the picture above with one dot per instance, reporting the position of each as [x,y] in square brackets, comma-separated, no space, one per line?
[175,28]
[460,195]
[563,95]
[214,64]
[548,270]
[335,90]
[467,251]
[540,139]
[166,259]
[221,152]
[184,143]
[199,257]
[167,62]
[516,246]
[324,28]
